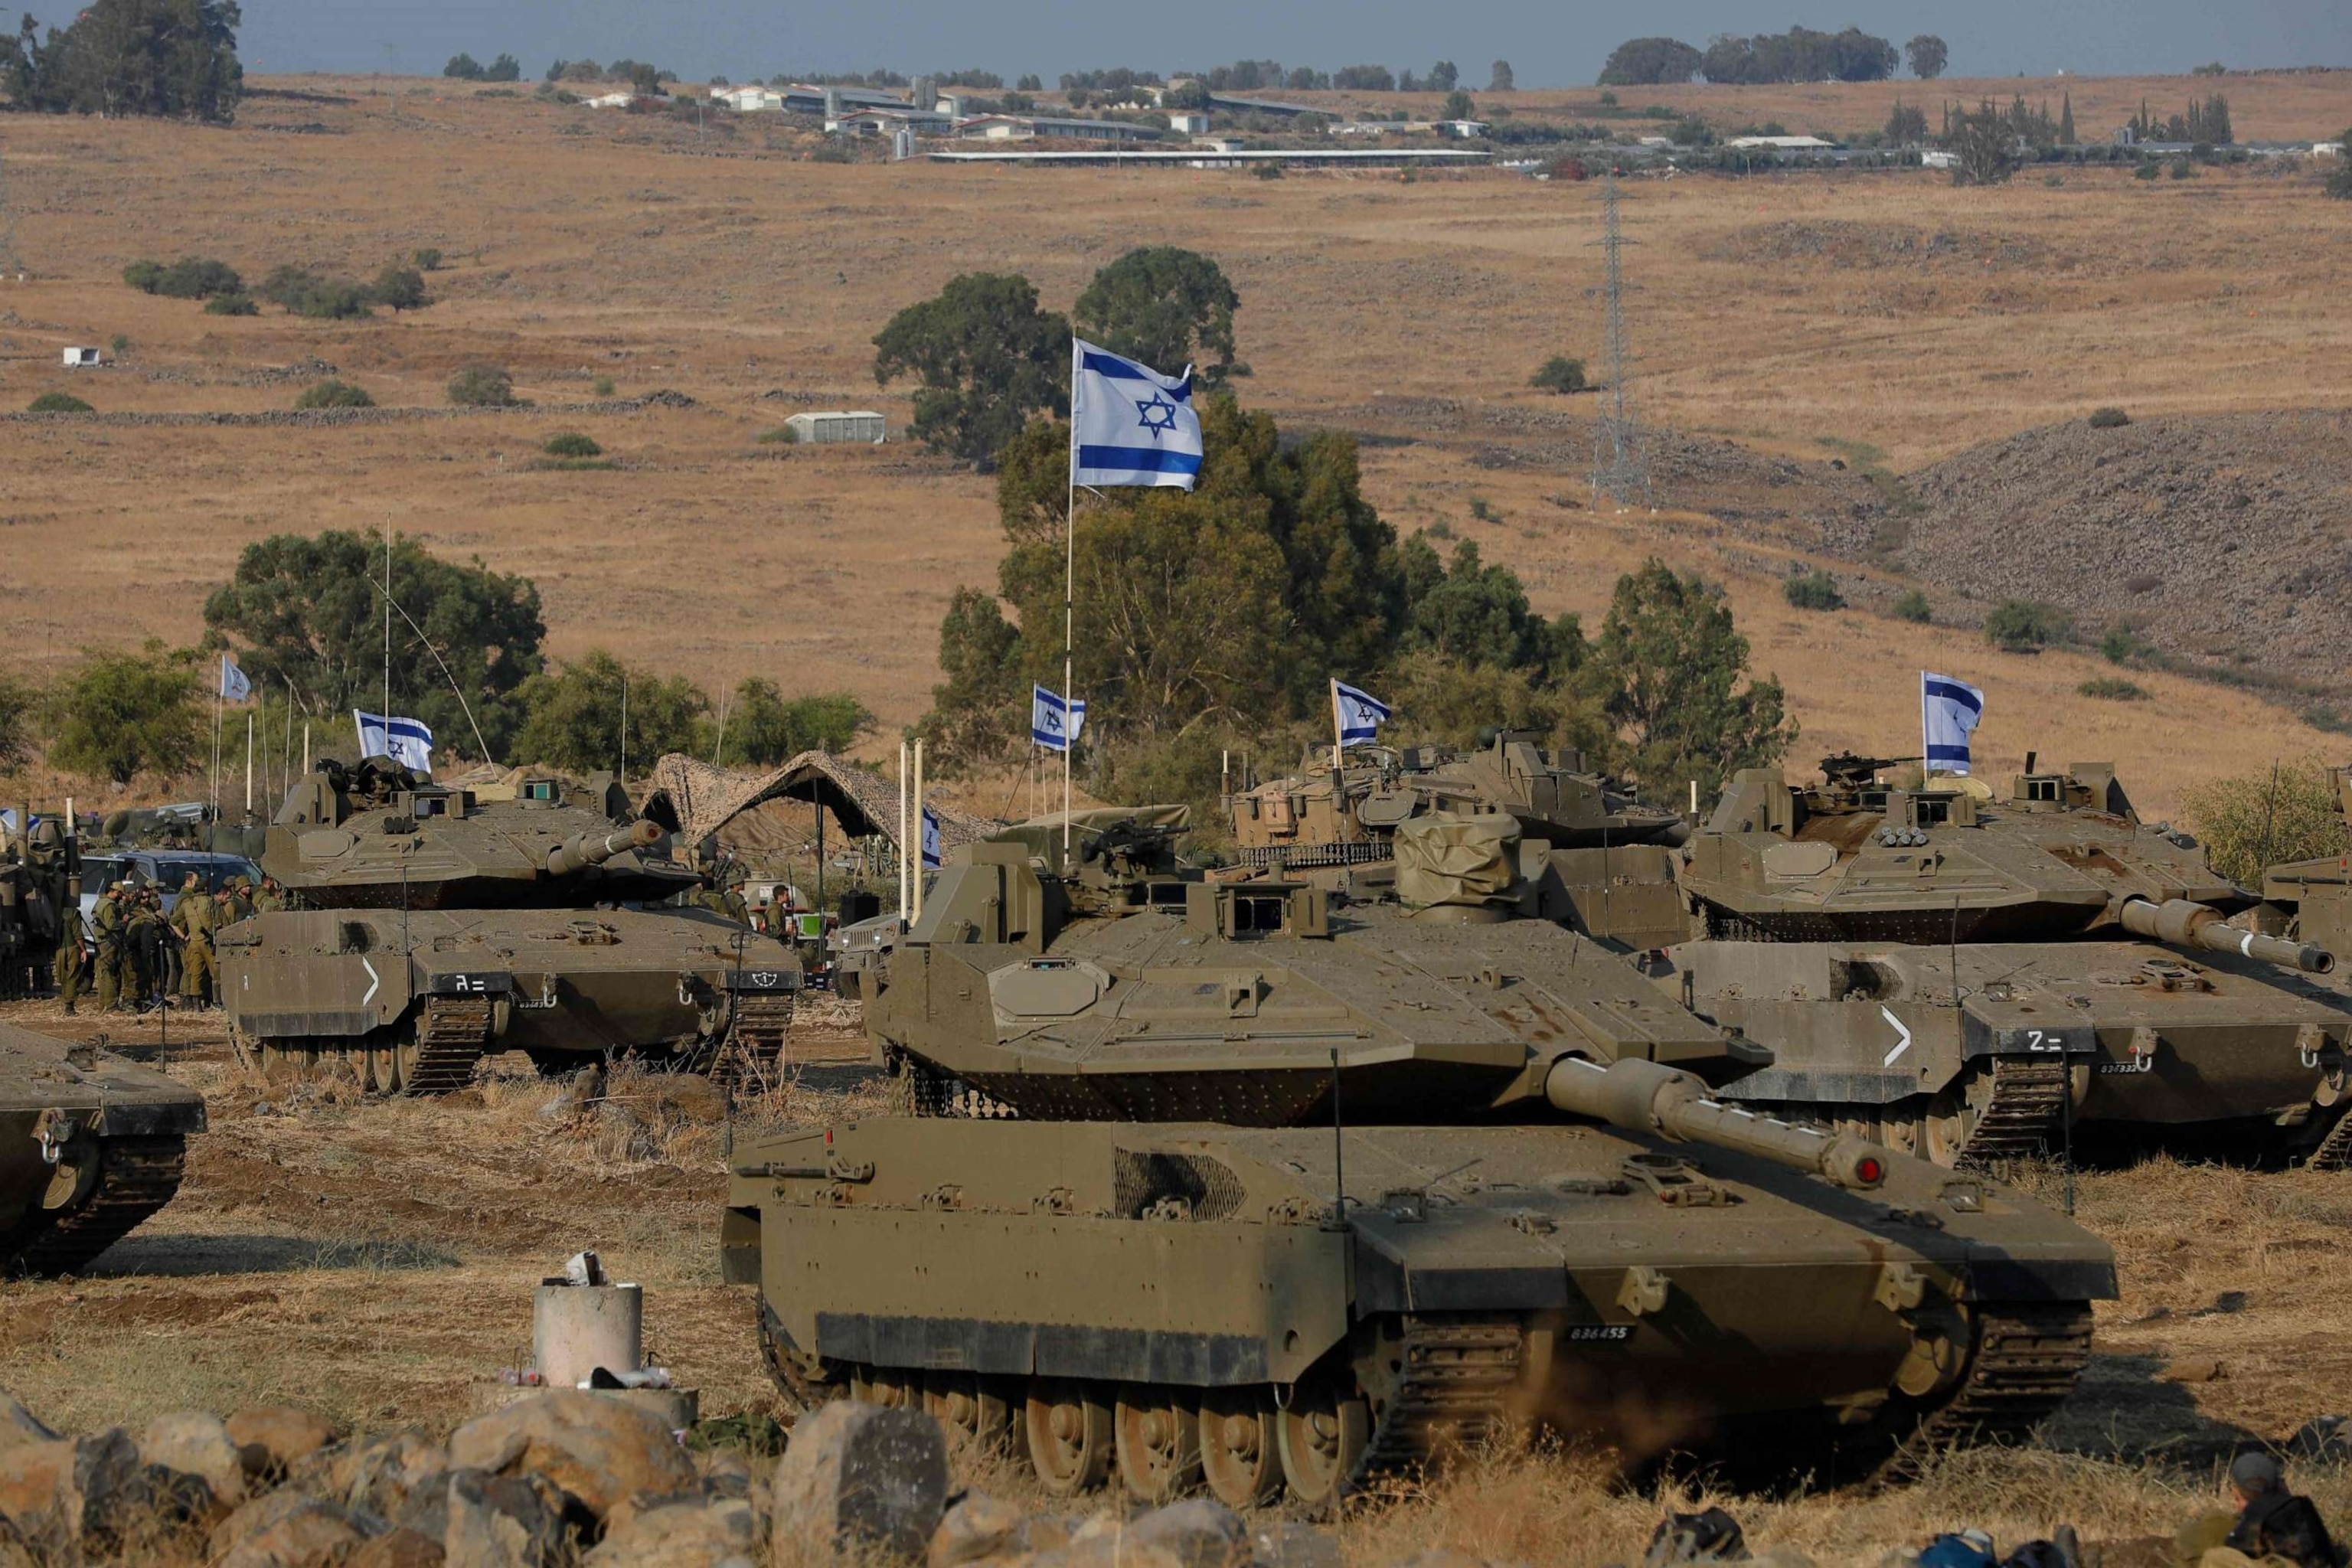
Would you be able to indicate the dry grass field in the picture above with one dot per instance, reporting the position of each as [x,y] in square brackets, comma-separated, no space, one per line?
[722,264]
[375,1261]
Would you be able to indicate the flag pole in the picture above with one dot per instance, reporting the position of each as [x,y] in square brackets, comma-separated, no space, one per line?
[1338,735]
[902,833]
[1069,600]
[388,631]
[249,762]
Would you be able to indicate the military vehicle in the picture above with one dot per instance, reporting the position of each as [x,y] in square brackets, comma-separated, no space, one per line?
[439,925]
[2088,949]
[1255,1193]
[2312,900]
[90,1145]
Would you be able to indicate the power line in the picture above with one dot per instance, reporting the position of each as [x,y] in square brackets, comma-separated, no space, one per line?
[1621,469]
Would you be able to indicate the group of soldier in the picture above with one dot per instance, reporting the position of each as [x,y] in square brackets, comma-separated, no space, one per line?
[140,958]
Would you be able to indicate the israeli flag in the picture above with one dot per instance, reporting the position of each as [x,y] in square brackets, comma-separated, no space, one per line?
[1949,711]
[404,741]
[1049,719]
[933,857]
[1129,425]
[1357,715]
[233,686]
[1077,717]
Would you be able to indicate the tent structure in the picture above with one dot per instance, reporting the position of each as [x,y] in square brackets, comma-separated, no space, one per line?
[695,800]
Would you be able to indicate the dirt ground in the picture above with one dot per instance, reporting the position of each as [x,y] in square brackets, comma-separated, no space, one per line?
[723,265]
[375,1261]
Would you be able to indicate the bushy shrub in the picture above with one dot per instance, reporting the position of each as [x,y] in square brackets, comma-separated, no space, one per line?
[59,403]
[302,292]
[399,288]
[1560,373]
[231,305]
[2113,688]
[1816,590]
[571,444]
[427,259]
[2027,625]
[482,387]
[190,277]
[2268,817]
[1913,607]
[603,386]
[143,276]
[333,394]
[778,436]
[2108,418]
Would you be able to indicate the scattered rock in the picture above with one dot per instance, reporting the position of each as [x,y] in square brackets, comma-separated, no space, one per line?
[196,1443]
[378,1474]
[2194,1369]
[600,1451]
[691,1535]
[399,1548]
[861,1477]
[1199,1533]
[977,1527]
[18,1425]
[1285,1544]
[279,1436]
[725,1473]
[77,1491]
[288,1529]
[2324,1439]
[484,1520]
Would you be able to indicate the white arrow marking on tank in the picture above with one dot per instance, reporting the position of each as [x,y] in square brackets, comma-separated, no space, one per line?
[375,983]
[1901,1044]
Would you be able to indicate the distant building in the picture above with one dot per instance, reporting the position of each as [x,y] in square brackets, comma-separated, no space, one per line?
[858,425]
[1463,130]
[751,100]
[1188,122]
[611,100]
[1783,143]
[1021,127]
[885,122]
[76,359]
[1936,158]
[2328,149]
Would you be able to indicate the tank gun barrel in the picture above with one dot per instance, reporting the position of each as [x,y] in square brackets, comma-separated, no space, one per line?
[2185,923]
[1646,1098]
[583,851]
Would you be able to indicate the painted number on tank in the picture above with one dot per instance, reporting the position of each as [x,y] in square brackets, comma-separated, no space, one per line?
[1600,1333]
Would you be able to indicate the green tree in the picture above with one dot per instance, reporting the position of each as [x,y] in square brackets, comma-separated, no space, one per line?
[2066,137]
[506,68]
[1477,615]
[1672,668]
[1500,80]
[165,58]
[308,612]
[463,67]
[1166,306]
[2338,182]
[2251,821]
[976,710]
[1906,124]
[482,387]
[987,358]
[761,727]
[57,402]
[572,719]
[1814,590]
[1987,146]
[1458,106]
[1927,56]
[1445,77]
[2027,625]
[1649,62]
[399,288]
[1913,607]
[1560,373]
[123,714]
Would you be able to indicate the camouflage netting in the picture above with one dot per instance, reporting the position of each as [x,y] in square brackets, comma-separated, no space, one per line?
[695,800]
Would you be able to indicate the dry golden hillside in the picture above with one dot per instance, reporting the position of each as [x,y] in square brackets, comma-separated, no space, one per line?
[1872,320]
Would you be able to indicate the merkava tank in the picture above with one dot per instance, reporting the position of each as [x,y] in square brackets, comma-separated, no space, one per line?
[1247,1192]
[90,1145]
[1969,978]
[439,925]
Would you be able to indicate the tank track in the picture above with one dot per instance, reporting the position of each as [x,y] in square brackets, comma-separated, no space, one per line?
[749,1055]
[2016,1122]
[452,1034]
[138,1177]
[2335,1151]
[1456,1375]
[2027,1358]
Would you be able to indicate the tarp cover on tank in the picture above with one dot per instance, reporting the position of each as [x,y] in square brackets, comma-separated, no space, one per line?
[695,800]
[1449,859]
[1043,834]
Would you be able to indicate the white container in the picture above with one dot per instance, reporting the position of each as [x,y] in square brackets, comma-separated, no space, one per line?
[575,1328]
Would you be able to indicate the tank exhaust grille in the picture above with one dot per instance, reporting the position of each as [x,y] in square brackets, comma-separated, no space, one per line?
[1146,1180]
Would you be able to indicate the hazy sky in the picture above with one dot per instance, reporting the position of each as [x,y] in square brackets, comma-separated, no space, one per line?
[1547,43]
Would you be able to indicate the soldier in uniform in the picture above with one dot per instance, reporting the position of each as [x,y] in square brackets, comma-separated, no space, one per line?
[195,918]
[235,901]
[148,952]
[271,899]
[110,922]
[66,967]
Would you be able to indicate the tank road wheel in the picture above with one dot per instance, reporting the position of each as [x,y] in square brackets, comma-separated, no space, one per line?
[891,1387]
[1321,1438]
[970,1407]
[1237,1446]
[1951,1118]
[395,1059]
[1068,1432]
[1159,1442]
